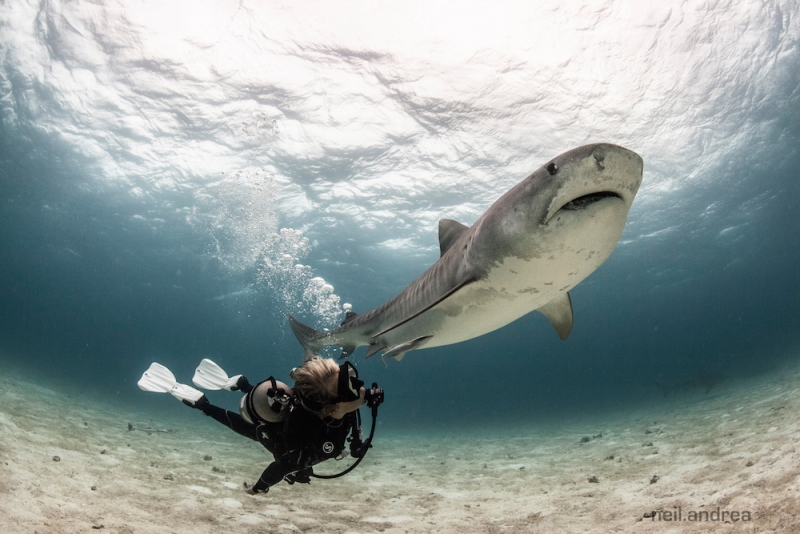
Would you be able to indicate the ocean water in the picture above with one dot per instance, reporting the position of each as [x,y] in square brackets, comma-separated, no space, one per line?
[176,178]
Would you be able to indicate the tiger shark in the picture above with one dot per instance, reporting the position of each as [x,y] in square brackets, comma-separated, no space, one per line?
[534,244]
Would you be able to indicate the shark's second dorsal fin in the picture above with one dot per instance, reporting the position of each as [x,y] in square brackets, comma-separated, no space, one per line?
[449,232]
[559,312]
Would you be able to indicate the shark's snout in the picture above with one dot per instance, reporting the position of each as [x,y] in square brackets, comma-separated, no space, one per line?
[601,173]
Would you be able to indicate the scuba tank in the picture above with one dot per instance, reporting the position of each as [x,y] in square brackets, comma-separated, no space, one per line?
[267,402]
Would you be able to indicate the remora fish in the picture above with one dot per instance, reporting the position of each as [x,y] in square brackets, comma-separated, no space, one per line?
[533,245]
[150,431]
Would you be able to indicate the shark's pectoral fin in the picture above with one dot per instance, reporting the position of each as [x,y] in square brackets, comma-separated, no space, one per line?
[398,351]
[449,232]
[559,313]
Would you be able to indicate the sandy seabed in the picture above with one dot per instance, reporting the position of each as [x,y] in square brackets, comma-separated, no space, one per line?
[723,461]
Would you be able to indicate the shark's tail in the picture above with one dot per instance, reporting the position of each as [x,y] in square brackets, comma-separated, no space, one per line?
[307,336]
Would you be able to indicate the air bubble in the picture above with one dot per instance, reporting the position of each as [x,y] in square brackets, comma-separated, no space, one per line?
[245,239]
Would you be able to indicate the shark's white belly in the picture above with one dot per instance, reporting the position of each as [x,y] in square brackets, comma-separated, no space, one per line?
[490,304]
[516,287]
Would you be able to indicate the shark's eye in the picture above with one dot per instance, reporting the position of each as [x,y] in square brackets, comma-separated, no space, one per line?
[552,169]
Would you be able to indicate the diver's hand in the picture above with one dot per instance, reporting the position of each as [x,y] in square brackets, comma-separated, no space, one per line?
[360,449]
[302,476]
[344,408]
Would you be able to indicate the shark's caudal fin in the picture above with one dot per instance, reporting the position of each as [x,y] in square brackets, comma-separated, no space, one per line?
[313,340]
[306,336]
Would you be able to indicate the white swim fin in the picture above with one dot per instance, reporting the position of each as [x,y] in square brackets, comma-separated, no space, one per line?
[209,375]
[186,393]
[159,379]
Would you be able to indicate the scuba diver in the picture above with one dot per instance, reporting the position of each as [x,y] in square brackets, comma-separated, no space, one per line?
[300,426]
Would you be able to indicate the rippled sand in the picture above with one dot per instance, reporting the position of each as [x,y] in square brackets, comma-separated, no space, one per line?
[70,465]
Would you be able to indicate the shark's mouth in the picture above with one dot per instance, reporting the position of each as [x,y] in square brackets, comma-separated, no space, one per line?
[587,200]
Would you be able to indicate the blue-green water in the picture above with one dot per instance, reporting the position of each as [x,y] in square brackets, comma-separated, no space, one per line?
[146,174]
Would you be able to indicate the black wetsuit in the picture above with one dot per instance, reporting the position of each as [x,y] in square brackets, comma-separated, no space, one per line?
[299,442]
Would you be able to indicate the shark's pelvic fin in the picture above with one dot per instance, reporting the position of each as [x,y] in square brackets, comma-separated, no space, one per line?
[374,349]
[559,312]
[449,232]
[398,351]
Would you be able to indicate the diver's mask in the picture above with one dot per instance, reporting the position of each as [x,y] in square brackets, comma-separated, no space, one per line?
[348,388]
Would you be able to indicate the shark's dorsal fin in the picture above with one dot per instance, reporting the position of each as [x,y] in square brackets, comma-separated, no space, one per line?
[449,232]
[349,316]
[559,312]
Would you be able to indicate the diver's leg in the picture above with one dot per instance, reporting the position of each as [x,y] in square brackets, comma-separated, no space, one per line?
[244,385]
[297,462]
[232,420]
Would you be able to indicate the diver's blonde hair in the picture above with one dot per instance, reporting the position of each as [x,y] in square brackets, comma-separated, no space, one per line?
[317,379]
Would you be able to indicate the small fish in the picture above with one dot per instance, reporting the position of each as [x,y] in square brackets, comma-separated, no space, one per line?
[150,431]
